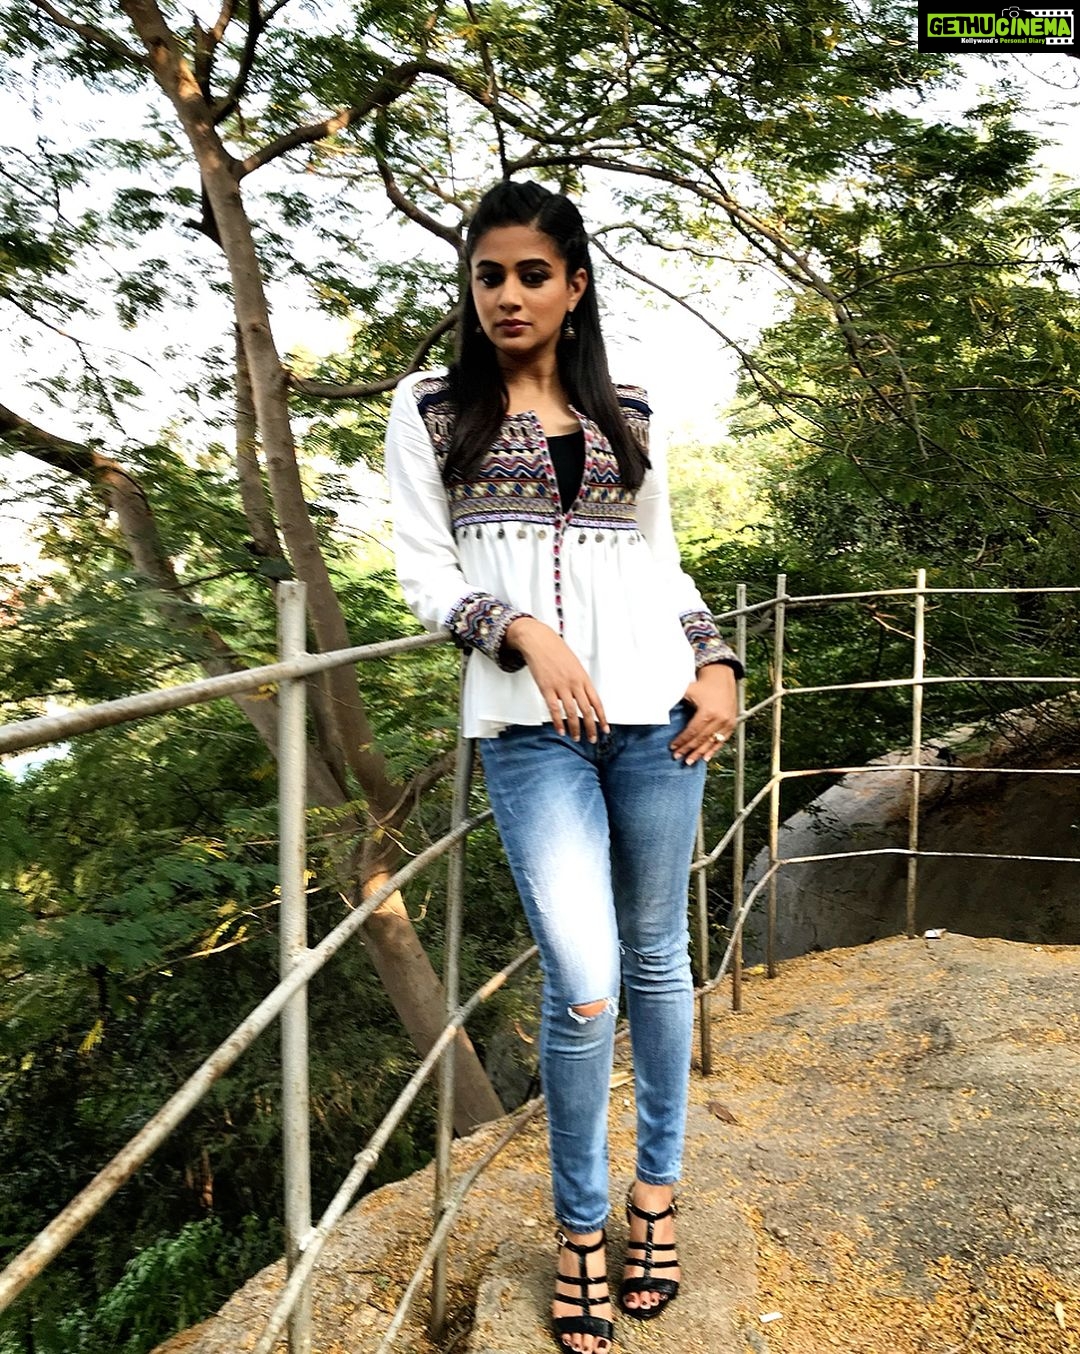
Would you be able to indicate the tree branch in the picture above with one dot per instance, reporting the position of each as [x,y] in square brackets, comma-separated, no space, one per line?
[136,520]
[329,391]
[746,358]
[393,84]
[415,213]
[493,87]
[98,37]
[226,105]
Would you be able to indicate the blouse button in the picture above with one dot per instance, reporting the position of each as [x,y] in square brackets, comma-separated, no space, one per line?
[542,533]
[581,538]
[521,533]
[599,535]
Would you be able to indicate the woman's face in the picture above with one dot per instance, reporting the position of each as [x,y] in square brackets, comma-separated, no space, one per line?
[521,291]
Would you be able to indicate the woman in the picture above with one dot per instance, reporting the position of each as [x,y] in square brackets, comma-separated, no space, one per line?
[530,522]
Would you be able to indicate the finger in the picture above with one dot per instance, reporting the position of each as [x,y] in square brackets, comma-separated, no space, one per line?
[554,705]
[588,714]
[598,705]
[689,738]
[573,716]
[707,748]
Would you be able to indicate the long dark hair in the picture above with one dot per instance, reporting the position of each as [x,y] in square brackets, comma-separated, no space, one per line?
[477,388]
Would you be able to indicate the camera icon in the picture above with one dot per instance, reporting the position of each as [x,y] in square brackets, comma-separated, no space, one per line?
[1013,12]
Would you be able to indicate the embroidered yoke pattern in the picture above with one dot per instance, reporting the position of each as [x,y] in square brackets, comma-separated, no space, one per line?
[514,492]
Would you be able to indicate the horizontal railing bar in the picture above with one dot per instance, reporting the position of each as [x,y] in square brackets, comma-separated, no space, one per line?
[29,733]
[366,1159]
[763,704]
[889,592]
[452,1208]
[944,768]
[88,1202]
[939,855]
[885,683]
[714,854]
[750,610]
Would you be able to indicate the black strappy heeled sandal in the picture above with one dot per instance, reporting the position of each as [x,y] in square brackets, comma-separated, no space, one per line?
[598,1327]
[667,1288]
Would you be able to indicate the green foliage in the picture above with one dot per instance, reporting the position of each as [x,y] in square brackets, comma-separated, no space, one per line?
[164,1288]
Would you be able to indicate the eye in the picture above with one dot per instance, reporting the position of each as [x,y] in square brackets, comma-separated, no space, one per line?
[535,278]
[488,279]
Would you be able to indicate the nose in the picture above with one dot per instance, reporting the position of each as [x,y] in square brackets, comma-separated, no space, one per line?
[510,295]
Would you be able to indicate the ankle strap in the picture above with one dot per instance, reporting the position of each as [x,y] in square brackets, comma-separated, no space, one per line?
[670,1212]
[577,1247]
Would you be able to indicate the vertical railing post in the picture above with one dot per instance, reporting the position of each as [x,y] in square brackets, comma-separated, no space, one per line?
[738,845]
[779,615]
[918,671]
[292,864]
[444,1125]
[705,1000]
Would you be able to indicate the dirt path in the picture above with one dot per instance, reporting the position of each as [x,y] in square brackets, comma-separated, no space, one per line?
[902,1177]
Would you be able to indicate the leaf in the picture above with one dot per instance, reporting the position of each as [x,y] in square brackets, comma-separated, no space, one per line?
[721,1112]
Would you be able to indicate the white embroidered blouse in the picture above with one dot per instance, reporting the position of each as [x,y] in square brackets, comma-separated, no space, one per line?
[473,556]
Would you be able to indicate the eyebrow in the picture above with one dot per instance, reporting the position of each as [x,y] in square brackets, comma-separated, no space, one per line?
[524,263]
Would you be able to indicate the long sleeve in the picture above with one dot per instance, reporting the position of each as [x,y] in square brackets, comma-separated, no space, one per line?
[654,521]
[426,557]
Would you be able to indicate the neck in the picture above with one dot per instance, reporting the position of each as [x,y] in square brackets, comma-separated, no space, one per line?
[537,375]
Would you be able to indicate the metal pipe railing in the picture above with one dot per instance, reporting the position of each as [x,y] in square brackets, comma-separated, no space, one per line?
[304,1243]
[739,810]
[366,1159]
[292,928]
[919,665]
[704,1000]
[56,728]
[444,1124]
[774,766]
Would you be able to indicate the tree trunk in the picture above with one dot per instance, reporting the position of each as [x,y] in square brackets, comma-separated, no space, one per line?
[400,961]
[393,944]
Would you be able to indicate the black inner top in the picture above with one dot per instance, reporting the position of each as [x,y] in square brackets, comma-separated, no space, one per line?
[568,457]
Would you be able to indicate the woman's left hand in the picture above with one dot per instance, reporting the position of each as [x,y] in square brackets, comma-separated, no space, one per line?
[715,697]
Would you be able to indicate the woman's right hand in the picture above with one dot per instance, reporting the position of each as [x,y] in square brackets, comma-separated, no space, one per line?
[560,677]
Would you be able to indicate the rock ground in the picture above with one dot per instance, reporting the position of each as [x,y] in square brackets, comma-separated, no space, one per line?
[902,1176]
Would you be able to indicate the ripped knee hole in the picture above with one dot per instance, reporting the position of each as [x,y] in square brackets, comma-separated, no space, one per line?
[590,1010]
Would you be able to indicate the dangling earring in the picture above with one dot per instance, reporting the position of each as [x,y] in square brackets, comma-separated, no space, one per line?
[568,330]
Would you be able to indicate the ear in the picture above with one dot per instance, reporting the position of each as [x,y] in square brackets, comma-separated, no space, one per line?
[577,284]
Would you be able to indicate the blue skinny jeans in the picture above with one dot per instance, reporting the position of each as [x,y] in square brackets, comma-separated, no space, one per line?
[599,838]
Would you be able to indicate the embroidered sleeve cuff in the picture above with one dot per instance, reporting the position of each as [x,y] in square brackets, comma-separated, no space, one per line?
[480,621]
[708,644]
